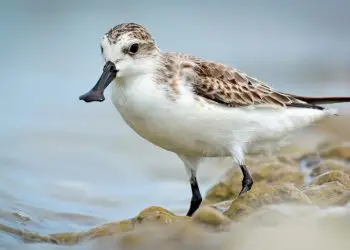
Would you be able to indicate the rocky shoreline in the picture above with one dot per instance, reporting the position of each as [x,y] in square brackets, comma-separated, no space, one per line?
[317,178]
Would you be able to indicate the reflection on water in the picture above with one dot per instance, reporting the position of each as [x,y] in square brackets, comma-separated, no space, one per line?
[68,165]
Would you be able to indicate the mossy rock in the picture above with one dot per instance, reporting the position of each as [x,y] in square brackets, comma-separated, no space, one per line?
[279,174]
[295,151]
[220,206]
[263,194]
[329,193]
[27,236]
[275,173]
[329,165]
[113,228]
[210,216]
[337,151]
[152,215]
[159,215]
[330,176]
[219,192]
[263,161]
[192,234]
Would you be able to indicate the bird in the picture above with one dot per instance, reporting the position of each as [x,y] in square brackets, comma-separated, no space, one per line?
[196,108]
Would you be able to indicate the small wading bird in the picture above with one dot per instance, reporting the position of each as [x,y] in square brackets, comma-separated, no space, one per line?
[193,107]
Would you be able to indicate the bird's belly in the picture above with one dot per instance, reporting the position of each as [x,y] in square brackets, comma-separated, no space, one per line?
[175,134]
[174,126]
[184,126]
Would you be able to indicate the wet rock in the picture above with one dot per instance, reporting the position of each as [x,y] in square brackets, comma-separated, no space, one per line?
[131,240]
[28,236]
[274,214]
[329,193]
[295,151]
[292,227]
[158,214]
[330,176]
[329,165]
[66,238]
[284,159]
[221,206]
[337,151]
[178,229]
[279,174]
[336,127]
[112,228]
[210,216]
[263,194]
[220,192]
[149,216]
[152,216]
[262,161]
[273,173]
[180,235]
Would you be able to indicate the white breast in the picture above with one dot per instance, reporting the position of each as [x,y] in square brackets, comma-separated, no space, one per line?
[175,125]
[185,126]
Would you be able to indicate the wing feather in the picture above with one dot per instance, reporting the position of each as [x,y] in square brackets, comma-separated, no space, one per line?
[233,88]
[227,86]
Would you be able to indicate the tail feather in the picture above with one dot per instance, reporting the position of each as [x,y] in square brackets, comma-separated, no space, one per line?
[322,100]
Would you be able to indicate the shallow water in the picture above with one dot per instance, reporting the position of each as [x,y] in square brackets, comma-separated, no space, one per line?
[67,166]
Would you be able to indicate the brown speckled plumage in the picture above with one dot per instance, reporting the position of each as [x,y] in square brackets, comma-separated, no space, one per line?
[218,83]
[210,81]
[134,30]
[228,86]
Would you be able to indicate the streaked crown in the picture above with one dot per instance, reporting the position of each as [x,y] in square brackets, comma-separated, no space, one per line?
[133,30]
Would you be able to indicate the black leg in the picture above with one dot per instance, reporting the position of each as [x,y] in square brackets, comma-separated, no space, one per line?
[247,181]
[196,195]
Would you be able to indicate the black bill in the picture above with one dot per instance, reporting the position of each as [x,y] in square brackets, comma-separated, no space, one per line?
[96,93]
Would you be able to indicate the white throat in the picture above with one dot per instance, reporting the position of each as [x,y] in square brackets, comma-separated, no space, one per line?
[135,67]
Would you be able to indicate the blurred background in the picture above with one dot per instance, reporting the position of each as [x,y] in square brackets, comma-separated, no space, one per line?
[69,165]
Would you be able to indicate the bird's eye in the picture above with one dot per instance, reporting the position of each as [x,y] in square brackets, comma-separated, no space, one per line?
[101,49]
[133,48]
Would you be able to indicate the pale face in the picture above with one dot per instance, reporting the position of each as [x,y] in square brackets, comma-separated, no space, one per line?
[128,50]
[130,56]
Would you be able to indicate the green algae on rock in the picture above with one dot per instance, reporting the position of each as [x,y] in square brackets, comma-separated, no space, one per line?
[295,151]
[220,192]
[337,151]
[328,194]
[329,165]
[274,173]
[264,194]
[330,176]
[27,236]
[292,227]
[279,174]
[210,216]
[156,215]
